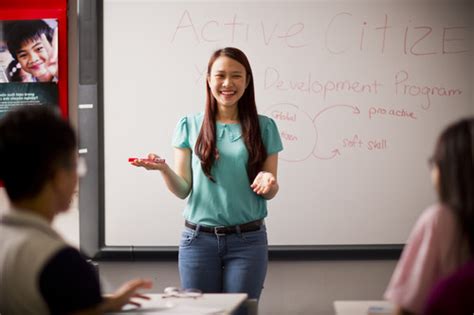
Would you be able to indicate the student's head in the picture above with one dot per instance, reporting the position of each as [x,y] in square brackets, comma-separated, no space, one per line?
[453,161]
[230,82]
[37,152]
[16,74]
[26,46]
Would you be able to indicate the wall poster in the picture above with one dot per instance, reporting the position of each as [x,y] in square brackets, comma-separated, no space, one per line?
[29,68]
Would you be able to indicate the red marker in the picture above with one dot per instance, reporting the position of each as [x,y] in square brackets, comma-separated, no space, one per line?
[156,160]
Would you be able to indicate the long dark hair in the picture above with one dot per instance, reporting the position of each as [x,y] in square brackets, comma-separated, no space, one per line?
[206,142]
[454,157]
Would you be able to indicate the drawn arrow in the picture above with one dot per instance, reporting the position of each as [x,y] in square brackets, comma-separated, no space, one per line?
[355,109]
[334,152]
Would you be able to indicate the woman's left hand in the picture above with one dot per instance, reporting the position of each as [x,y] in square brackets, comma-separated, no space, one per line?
[263,183]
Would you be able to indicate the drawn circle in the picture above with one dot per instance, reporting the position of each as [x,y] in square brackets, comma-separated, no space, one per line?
[297,131]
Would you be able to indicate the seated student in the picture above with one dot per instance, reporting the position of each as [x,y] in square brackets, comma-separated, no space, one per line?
[443,237]
[39,272]
[34,44]
[453,295]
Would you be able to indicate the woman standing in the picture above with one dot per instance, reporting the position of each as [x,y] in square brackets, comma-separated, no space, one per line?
[226,162]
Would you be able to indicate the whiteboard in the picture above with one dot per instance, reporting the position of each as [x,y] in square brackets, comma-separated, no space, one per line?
[359,91]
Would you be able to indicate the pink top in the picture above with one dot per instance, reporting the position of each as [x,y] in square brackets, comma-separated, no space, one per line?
[433,250]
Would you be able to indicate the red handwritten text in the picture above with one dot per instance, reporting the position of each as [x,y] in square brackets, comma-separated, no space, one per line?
[279,115]
[377,145]
[272,79]
[416,39]
[396,113]
[402,87]
[235,30]
[288,136]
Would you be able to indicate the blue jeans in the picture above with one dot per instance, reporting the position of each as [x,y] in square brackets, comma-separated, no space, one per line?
[232,263]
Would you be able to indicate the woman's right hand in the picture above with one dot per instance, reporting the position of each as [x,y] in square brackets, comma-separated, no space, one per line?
[178,181]
[152,162]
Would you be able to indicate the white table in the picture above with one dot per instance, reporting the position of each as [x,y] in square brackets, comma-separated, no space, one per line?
[362,307]
[209,303]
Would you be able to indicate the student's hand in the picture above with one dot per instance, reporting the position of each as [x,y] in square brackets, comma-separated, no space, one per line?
[263,183]
[152,162]
[124,295]
[52,50]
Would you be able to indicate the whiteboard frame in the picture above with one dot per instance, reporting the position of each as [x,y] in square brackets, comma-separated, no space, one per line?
[91,146]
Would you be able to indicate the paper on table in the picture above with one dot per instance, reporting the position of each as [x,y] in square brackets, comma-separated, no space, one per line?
[380,310]
[175,310]
[194,310]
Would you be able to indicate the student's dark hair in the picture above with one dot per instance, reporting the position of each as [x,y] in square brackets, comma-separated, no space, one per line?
[18,33]
[35,141]
[206,142]
[454,157]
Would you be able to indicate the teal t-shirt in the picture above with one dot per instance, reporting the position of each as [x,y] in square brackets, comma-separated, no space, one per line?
[229,200]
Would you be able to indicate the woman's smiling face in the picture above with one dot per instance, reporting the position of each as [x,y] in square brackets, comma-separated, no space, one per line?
[227,81]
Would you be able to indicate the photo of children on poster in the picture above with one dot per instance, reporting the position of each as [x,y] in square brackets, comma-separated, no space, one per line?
[28,63]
